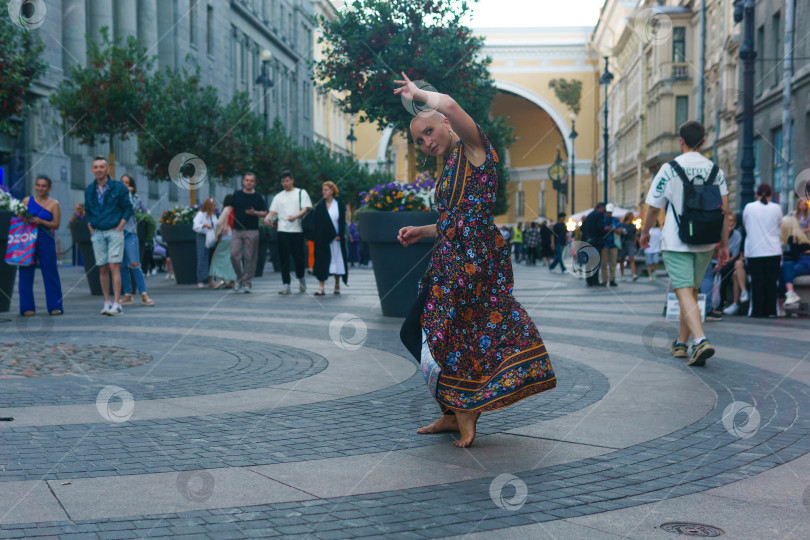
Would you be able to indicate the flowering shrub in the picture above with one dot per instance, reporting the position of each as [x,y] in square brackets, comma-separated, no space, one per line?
[78,213]
[179,215]
[399,197]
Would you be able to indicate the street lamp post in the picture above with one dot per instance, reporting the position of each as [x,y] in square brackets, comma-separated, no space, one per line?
[557,174]
[744,10]
[264,79]
[607,76]
[573,137]
[350,137]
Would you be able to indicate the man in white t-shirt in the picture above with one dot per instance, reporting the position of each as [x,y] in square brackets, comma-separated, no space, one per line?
[290,206]
[686,264]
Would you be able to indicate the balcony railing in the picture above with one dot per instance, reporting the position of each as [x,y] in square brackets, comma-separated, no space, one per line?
[673,71]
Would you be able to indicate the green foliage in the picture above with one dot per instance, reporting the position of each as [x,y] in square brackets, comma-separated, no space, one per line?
[568,92]
[20,66]
[107,98]
[151,225]
[187,117]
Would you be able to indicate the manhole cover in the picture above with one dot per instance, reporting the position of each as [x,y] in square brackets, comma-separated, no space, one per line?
[693,529]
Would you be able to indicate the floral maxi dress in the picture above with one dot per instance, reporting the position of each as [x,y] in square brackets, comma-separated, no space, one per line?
[481,351]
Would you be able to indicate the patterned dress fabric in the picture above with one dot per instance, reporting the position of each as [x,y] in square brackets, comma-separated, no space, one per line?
[489,350]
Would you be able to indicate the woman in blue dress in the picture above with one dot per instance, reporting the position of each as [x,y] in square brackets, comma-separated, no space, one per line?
[45,214]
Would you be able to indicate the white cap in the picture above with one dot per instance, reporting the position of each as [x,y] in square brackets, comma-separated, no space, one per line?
[609,207]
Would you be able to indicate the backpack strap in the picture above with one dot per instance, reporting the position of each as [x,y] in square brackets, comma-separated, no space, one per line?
[685,179]
[712,175]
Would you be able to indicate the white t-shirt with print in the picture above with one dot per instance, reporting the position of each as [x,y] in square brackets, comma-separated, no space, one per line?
[287,204]
[668,186]
[655,241]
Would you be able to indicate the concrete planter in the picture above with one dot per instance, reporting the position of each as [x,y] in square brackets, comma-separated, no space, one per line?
[81,237]
[181,244]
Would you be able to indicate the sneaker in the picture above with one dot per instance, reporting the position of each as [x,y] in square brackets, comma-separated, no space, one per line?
[302,285]
[714,316]
[564,272]
[635,277]
[700,353]
[733,309]
[116,309]
[613,284]
[247,289]
[238,287]
[791,298]
[744,296]
[652,278]
[106,309]
[126,299]
[285,290]
[678,350]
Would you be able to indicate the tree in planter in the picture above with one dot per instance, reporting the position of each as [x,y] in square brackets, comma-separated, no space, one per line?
[221,136]
[367,45]
[20,65]
[106,99]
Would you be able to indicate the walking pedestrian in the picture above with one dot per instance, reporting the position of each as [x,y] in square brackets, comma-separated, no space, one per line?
[248,207]
[131,265]
[479,348]
[560,237]
[703,218]
[290,205]
[653,251]
[46,215]
[330,239]
[517,241]
[531,239]
[204,224]
[593,233]
[107,209]
[221,267]
[762,221]
[546,251]
[627,253]
[610,250]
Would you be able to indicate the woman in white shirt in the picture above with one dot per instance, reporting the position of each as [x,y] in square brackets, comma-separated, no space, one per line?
[763,251]
[330,236]
[204,221]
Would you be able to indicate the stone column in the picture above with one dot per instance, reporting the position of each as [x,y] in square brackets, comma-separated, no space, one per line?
[125,15]
[74,47]
[166,34]
[100,15]
[147,25]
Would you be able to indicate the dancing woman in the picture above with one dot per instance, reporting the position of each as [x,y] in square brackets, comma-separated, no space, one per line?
[480,350]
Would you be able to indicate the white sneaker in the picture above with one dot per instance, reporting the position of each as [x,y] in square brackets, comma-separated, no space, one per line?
[116,309]
[733,309]
[106,309]
[302,285]
[743,296]
[238,287]
[247,289]
[790,298]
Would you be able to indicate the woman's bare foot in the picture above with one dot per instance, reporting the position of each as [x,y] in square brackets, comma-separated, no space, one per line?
[466,422]
[446,423]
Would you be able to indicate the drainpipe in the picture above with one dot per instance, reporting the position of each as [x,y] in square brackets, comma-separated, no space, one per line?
[787,75]
[722,86]
[702,61]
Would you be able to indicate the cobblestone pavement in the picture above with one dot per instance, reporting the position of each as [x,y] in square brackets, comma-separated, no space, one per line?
[224,415]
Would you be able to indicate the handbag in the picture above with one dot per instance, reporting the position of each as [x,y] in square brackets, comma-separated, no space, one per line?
[22,239]
[210,236]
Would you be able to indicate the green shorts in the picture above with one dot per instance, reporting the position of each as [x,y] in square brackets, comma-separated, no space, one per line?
[686,268]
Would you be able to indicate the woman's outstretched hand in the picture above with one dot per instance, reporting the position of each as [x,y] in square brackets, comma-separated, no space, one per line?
[409,235]
[406,88]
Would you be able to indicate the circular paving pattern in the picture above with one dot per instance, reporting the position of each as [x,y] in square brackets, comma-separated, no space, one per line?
[35,359]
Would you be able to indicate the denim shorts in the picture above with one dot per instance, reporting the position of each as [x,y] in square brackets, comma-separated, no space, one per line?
[108,246]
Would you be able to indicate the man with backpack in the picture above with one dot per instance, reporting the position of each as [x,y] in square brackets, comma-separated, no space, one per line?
[695,192]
